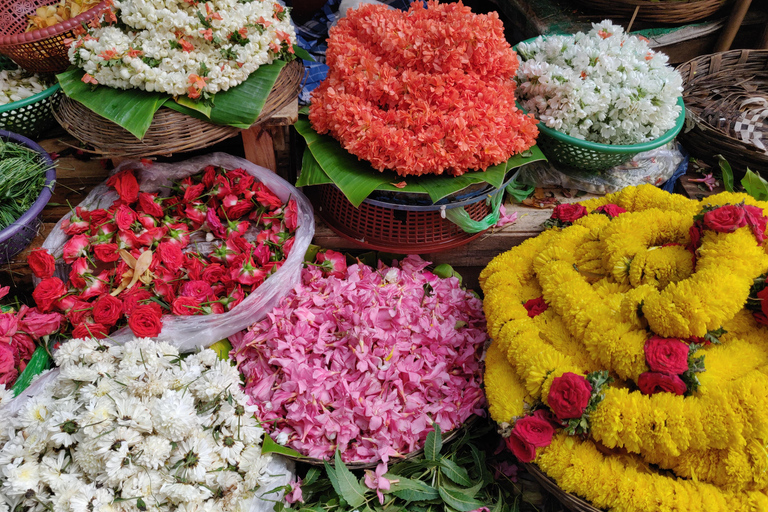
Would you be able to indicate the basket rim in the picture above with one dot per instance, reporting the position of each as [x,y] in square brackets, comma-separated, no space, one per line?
[32,99]
[613,149]
[45,194]
[59,28]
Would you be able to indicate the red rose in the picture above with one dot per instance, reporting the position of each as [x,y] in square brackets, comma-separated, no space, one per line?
[145,321]
[127,240]
[7,362]
[568,212]
[725,219]
[124,217]
[611,210]
[86,330]
[186,306]
[76,247]
[7,379]
[107,310]
[214,273]
[95,286]
[79,311]
[546,415]
[757,221]
[9,323]
[193,192]
[24,346]
[41,263]
[525,452]
[134,297]
[48,292]
[569,396]
[763,296]
[536,306]
[333,263]
[694,233]
[651,383]
[535,431]
[148,205]
[106,252]
[197,289]
[78,272]
[209,174]
[666,355]
[170,254]
[291,216]
[39,324]
[165,290]
[126,185]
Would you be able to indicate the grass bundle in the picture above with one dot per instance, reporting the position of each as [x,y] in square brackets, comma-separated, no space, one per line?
[22,178]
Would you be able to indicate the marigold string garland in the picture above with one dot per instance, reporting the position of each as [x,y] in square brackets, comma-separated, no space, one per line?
[644,294]
[425,91]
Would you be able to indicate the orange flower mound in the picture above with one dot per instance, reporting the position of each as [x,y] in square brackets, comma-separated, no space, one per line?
[425,91]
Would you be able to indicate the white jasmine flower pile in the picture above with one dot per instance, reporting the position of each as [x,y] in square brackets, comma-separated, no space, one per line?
[603,86]
[183,47]
[132,428]
[17,84]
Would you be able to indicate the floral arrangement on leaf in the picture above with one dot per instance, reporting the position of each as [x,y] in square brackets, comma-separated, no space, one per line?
[182,47]
[20,328]
[365,360]
[132,428]
[200,250]
[624,362]
[604,86]
[427,91]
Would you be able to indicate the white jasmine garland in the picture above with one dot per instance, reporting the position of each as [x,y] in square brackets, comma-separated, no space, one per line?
[98,444]
[603,86]
[184,47]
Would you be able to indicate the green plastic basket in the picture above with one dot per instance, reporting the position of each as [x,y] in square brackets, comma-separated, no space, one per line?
[31,116]
[593,156]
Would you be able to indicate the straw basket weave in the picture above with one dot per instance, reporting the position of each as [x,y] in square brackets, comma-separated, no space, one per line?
[726,98]
[569,501]
[660,11]
[170,131]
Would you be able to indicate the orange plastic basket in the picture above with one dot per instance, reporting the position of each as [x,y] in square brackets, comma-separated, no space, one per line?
[374,226]
[39,51]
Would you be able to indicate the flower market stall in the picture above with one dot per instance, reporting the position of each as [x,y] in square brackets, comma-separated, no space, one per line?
[487,275]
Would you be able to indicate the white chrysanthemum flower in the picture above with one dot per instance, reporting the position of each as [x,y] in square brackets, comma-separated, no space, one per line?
[37,410]
[53,466]
[63,428]
[79,373]
[179,493]
[193,458]
[83,499]
[118,467]
[20,478]
[72,351]
[174,415]
[132,412]
[90,462]
[153,451]
[3,503]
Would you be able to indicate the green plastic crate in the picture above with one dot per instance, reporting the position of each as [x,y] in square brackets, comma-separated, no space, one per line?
[31,116]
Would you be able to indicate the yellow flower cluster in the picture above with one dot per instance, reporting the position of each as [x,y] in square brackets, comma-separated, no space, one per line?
[609,285]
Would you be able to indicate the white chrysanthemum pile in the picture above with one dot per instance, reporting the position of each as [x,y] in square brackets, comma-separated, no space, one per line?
[184,47]
[603,86]
[132,428]
[17,84]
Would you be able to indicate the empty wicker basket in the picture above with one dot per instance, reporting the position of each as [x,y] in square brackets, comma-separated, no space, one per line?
[660,11]
[170,131]
[726,100]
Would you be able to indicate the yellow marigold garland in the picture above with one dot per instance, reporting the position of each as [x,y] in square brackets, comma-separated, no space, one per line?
[599,311]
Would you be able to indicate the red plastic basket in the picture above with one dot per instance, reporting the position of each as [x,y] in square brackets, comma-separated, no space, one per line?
[39,51]
[390,229]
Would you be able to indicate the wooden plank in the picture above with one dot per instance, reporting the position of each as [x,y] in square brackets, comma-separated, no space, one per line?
[257,144]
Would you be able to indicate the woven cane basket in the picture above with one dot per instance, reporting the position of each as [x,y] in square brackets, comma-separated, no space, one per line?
[170,131]
[660,11]
[726,100]
[569,501]
[43,50]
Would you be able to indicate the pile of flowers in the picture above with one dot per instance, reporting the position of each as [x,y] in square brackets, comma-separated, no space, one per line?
[427,91]
[603,86]
[365,360]
[49,15]
[20,329]
[17,84]
[182,47]
[200,250]
[133,428]
[649,288]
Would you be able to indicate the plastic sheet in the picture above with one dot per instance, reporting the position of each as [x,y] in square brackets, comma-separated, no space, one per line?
[655,167]
[190,332]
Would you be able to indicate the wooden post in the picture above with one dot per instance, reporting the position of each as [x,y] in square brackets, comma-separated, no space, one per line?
[257,144]
[728,34]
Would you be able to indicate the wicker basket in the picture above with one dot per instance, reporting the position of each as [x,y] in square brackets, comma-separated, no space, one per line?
[591,156]
[16,237]
[170,131]
[39,51]
[569,501]
[715,89]
[660,11]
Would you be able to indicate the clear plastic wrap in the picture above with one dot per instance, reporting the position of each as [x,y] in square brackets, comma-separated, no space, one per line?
[190,332]
[654,167]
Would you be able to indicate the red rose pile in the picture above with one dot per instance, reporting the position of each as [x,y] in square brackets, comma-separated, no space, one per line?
[142,257]
[19,329]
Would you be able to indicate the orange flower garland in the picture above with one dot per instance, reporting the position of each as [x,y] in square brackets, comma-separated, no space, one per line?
[425,91]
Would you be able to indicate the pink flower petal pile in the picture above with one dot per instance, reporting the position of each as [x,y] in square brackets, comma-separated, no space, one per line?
[366,362]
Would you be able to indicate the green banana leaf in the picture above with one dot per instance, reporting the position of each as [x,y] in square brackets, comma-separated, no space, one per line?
[134,109]
[325,160]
